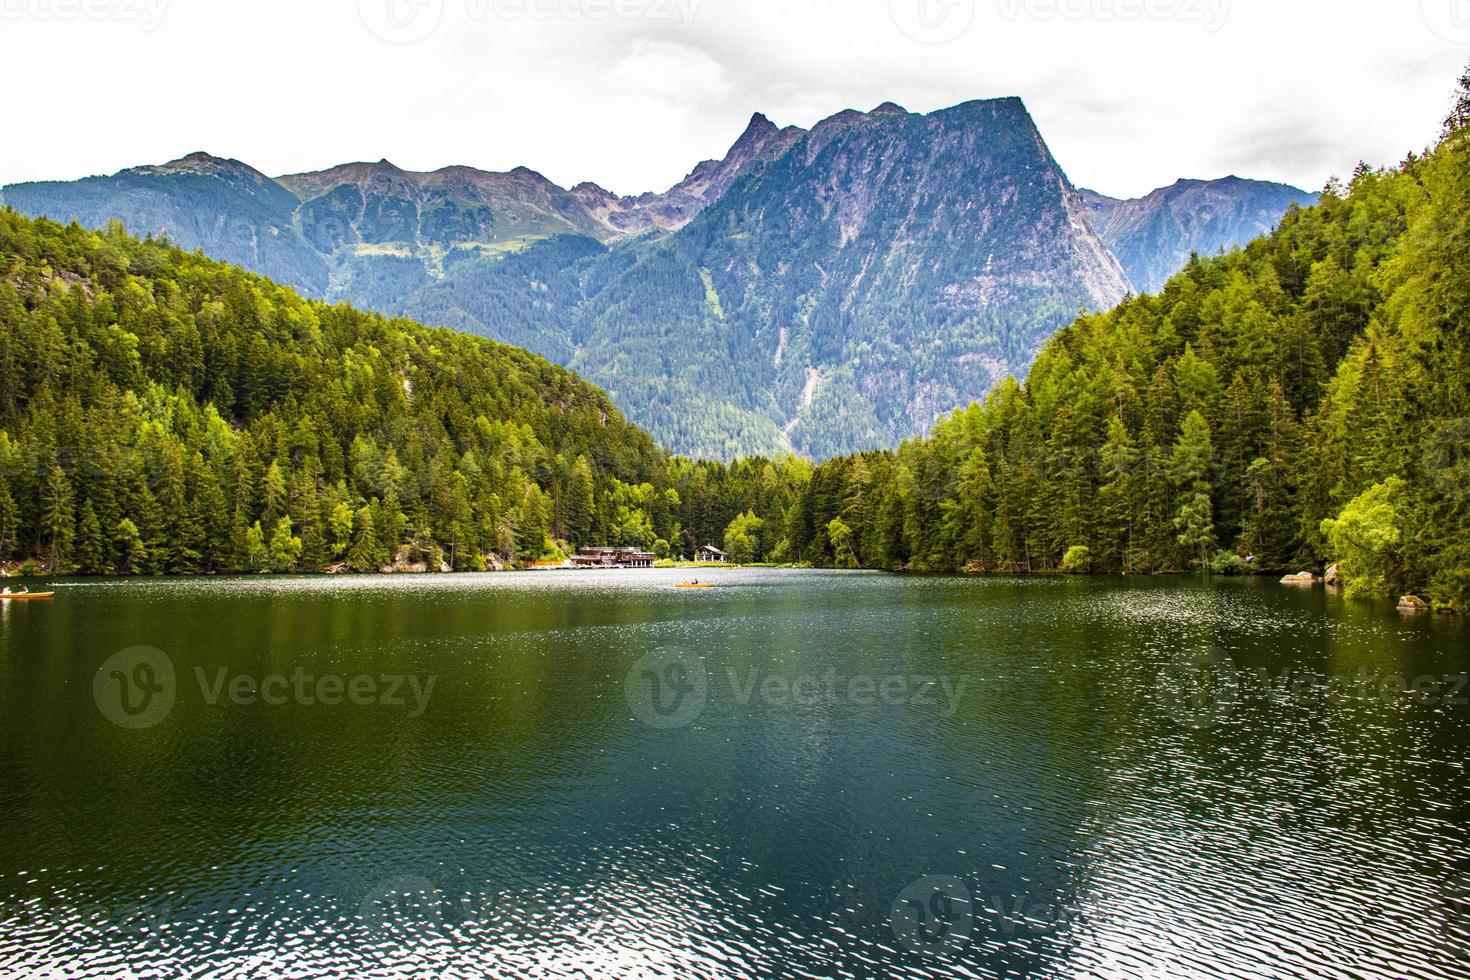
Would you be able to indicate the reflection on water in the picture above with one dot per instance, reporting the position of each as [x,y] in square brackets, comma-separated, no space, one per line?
[796,773]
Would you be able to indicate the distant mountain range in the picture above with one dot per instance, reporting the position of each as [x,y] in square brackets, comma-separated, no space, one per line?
[822,291]
[1154,236]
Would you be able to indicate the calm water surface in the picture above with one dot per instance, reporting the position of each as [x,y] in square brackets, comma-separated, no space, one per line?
[796,774]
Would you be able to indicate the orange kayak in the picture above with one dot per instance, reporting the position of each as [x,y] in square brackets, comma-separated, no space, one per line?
[687,585]
[26,595]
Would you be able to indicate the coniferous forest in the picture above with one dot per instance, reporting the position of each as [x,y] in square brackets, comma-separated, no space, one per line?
[1300,402]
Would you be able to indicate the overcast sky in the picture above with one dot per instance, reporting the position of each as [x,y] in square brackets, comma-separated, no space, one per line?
[1130,94]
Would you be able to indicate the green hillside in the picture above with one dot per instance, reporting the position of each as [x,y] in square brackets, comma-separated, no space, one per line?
[163,412]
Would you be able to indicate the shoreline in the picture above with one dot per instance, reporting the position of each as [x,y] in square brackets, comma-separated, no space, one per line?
[1268,578]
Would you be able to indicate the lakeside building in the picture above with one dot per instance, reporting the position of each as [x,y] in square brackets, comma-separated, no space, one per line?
[613,558]
[710,555]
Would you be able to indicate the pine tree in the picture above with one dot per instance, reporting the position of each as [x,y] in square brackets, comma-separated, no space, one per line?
[58,526]
[256,556]
[581,510]
[277,499]
[93,554]
[366,553]
[1119,457]
[128,546]
[9,519]
[285,547]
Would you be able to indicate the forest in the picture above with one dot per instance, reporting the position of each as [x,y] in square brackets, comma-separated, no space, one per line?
[164,413]
[1302,401]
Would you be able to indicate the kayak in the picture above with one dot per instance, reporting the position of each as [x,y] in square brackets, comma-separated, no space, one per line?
[689,586]
[26,595]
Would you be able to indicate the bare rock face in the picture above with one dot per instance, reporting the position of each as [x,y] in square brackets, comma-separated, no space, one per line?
[1300,578]
[888,268]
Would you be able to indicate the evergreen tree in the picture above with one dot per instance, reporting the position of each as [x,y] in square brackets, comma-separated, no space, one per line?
[285,547]
[128,546]
[367,553]
[57,524]
[9,519]
[93,551]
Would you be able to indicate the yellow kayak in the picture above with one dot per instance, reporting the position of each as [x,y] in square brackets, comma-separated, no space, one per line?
[691,585]
[26,595]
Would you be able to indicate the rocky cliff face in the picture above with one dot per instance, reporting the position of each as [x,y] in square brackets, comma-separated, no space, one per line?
[1154,236]
[887,268]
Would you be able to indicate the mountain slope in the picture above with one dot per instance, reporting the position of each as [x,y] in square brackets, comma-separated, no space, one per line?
[1154,236]
[232,211]
[886,268]
[324,232]
[826,291]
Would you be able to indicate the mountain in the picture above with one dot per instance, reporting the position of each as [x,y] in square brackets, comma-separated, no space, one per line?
[232,211]
[309,230]
[887,267]
[822,291]
[1154,236]
[1298,404]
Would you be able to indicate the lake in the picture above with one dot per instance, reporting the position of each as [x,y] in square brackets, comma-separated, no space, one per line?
[797,773]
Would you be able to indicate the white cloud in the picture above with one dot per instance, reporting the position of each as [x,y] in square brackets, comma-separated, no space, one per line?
[1130,94]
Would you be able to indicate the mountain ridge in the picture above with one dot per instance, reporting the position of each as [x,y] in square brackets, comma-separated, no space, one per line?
[1154,235]
[825,290]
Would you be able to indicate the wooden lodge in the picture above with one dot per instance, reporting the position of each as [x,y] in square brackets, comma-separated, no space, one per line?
[710,555]
[613,558]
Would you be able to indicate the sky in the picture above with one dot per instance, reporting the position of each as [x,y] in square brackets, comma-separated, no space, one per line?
[1130,94]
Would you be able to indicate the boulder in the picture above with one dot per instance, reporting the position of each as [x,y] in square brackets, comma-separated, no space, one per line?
[1300,578]
[1413,604]
[1334,575]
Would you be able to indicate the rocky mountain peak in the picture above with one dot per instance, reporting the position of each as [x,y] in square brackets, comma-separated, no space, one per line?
[200,162]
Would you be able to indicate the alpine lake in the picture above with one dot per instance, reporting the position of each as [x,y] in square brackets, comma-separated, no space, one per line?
[795,774]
